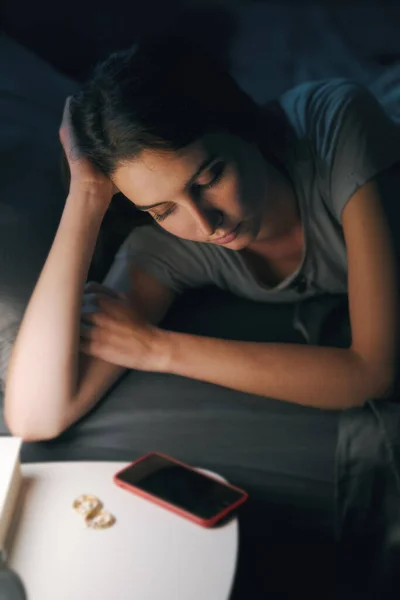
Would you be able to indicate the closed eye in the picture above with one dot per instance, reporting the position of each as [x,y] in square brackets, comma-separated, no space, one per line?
[164,215]
[205,180]
[211,176]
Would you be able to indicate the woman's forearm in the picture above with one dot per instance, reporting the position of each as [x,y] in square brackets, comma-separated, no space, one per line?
[42,374]
[330,378]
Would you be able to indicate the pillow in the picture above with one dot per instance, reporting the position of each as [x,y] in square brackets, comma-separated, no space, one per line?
[32,195]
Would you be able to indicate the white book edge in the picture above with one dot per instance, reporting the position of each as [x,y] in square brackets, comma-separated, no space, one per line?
[10,468]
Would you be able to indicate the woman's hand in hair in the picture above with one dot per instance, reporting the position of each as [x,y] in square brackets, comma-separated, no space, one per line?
[83,174]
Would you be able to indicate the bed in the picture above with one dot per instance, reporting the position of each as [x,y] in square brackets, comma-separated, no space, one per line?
[293,460]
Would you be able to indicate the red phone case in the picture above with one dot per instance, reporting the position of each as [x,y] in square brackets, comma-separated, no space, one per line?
[172,507]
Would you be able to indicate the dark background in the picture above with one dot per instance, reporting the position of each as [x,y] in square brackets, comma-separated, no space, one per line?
[268,46]
[74,34]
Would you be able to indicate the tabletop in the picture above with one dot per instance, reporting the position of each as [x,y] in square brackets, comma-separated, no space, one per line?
[150,553]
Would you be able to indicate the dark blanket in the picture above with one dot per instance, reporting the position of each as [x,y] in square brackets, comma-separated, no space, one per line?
[367,477]
[368,501]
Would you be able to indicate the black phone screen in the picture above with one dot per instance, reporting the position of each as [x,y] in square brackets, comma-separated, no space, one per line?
[180,486]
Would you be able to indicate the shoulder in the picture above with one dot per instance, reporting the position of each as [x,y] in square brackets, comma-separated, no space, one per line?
[348,134]
[306,120]
[317,107]
[313,98]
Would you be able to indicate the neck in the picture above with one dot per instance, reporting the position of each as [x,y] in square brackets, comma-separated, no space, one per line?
[281,217]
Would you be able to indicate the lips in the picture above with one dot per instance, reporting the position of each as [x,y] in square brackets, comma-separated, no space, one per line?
[227,239]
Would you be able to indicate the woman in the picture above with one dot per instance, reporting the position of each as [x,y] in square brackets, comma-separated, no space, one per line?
[253,201]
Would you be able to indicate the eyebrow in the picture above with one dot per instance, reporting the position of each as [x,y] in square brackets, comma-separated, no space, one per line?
[206,163]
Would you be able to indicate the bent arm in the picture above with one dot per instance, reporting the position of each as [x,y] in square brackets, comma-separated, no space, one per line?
[330,378]
[317,376]
[152,300]
[50,384]
[43,371]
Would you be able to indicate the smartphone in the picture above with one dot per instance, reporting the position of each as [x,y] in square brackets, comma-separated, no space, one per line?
[180,488]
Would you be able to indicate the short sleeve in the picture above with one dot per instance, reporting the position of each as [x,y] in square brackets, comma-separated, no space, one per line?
[178,264]
[353,139]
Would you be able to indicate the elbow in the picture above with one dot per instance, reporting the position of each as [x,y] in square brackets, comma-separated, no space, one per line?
[369,379]
[382,378]
[383,385]
[31,434]
[31,430]
[377,383]
[377,391]
[30,421]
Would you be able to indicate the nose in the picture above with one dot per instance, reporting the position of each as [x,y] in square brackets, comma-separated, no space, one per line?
[207,220]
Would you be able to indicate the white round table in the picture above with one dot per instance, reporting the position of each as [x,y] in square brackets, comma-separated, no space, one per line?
[149,554]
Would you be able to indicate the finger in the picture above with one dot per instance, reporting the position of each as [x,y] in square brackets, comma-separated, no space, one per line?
[97,318]
[84,349]
[91,301]
[92,331]
[65,115]
[86,331]
[95,351]
[89,304]
[108,316]
[65,127]
[98,349]
[89,348]
[66,109]
[94,336]
[116,308]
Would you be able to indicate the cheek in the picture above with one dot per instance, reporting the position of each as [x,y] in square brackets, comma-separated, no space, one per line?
[181,224]
[228,195]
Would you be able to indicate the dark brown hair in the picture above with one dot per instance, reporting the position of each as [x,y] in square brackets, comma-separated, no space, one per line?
[164,93]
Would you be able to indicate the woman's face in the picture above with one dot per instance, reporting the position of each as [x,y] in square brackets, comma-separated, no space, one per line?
[218,190]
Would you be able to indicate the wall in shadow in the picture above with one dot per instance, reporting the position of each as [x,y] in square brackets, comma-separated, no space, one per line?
[75,38]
